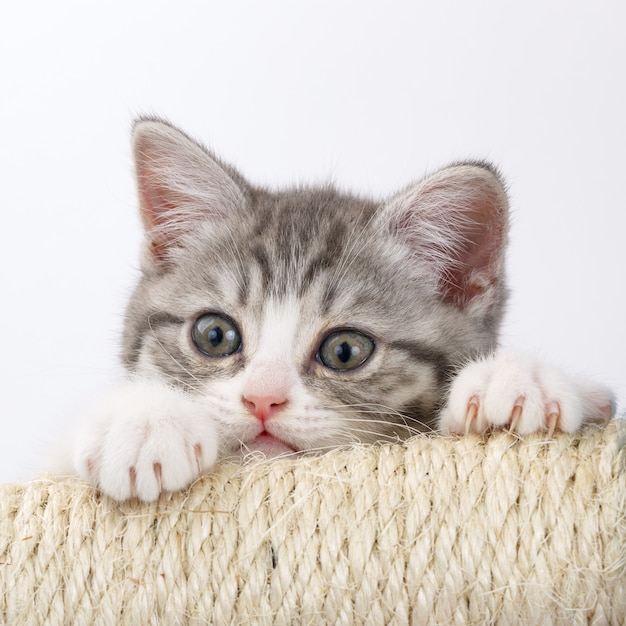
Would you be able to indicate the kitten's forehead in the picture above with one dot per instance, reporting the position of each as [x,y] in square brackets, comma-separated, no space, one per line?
[291,243]
[302,235]
[276,330]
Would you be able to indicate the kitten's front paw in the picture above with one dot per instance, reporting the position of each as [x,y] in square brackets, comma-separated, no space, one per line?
[143,439]
[513,391]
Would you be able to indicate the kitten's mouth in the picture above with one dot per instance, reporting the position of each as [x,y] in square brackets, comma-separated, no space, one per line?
[270,445]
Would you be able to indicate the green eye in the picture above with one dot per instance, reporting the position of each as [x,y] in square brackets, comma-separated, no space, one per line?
[345,350]
[215,335]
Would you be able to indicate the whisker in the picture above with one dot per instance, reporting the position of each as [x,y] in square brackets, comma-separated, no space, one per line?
[174,359]
[360,435]
[388,416]
[349,256]
[179,382]
[381,435]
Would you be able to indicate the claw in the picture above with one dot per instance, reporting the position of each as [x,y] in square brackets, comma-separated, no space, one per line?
[553,413]
[158,473]
[197,450]
[132,472]
[472,413]
[90,469]
[516,413]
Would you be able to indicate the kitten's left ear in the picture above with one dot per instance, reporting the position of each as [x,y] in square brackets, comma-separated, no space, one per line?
[455,225]
[180,183]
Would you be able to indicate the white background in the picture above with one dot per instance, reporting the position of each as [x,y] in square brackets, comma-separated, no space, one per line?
[369,94]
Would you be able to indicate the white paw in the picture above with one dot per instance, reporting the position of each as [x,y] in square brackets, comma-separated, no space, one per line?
[513,391]
[143,439]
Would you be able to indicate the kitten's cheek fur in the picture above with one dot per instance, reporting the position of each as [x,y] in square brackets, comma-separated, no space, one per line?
[511,390]
[143,439]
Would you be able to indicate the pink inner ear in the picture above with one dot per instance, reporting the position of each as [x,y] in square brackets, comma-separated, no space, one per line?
[476,265]
[456,221]
[180,183]
[171,174]
[159,210]
[154,201]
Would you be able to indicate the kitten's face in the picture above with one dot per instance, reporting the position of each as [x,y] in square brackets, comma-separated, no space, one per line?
[306,319]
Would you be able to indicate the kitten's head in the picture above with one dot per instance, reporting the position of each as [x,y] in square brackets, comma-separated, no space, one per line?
[309,318]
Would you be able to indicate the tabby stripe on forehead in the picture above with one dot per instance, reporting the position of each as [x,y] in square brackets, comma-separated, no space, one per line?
[243,286]
[316,266]
[422,352]
[261,257]
[328,297]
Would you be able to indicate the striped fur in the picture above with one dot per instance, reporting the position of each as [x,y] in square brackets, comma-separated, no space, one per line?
[420,273]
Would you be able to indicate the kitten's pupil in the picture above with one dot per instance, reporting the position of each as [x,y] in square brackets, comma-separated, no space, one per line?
[215,336]
[344,352]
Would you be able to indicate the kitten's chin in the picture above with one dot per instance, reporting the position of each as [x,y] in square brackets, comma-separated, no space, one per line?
[269,445]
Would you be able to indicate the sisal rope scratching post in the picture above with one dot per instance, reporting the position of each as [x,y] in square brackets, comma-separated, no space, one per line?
[468,530]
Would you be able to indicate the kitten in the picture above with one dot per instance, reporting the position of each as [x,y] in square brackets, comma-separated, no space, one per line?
[309,318]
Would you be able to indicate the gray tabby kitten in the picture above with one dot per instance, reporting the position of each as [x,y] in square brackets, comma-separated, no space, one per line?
[309,318]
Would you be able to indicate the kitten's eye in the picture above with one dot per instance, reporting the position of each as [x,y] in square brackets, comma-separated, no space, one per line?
[345,350]
[215,335]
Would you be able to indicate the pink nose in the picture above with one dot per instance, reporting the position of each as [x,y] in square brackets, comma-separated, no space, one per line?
[263,407]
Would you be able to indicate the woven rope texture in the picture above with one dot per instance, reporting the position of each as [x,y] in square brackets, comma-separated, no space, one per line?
[469,530]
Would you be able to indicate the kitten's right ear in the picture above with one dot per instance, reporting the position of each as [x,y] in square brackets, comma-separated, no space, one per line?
[179,183]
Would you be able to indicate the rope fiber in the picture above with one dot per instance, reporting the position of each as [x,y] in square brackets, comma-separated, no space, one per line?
[469,530]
